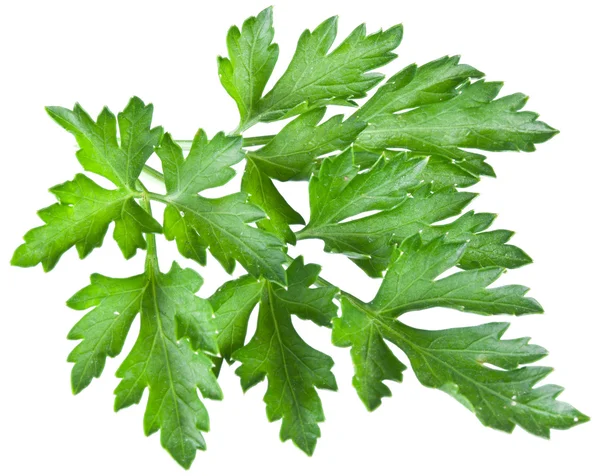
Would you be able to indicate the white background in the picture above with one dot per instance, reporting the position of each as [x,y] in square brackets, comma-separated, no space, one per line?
[97,53]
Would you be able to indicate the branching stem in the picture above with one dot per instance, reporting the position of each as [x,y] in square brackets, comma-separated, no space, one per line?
[247,141]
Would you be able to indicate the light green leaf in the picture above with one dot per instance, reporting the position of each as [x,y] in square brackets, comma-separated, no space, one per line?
[100,151]
[221,225]
[207,165]
[102,331]
[85,210]
[81,219]
[252,57]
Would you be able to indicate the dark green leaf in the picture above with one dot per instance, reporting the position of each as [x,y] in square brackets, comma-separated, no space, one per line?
[168,359]
[263,193]
[291,154]
[457,361]
[316,77]
[472,119]
[276,351]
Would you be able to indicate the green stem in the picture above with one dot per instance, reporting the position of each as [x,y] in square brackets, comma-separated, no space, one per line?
[154,173]
[151,255]
[258,140]
[157,197]
[247,142]
[304,234]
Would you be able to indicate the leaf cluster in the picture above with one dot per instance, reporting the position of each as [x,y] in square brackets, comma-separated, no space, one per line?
[387,189]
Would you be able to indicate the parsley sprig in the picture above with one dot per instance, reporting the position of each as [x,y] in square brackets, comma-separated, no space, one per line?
[381,181]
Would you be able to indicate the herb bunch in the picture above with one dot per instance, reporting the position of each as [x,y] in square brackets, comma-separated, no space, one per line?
[404,155]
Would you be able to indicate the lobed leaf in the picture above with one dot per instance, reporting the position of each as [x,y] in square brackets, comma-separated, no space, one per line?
[85,210]
[393,187]
[291,154]
[198,223]
[252,57]
[453,360]
[472,119]
[169,356]
[263,193]
[81,219]
[315,76]
[100,151]
[276,351]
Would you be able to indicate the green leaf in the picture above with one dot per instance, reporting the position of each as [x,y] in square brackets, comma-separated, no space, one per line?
[441,111]
[81,219]
[305,301]
[276,351]
[263,193]
[472,119]
[207,165]
[221,225]
[85,210]
[407,206]
[384,189]
[484,249]
[232,304]
[234,301]
[252,57]
[102,331]
[316,77]
[440,172]
[456,361]
[100,151]
[410,283]
[339,192]
[291,154]
[198,223]
[434,82]
[373,360]
[168,358]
